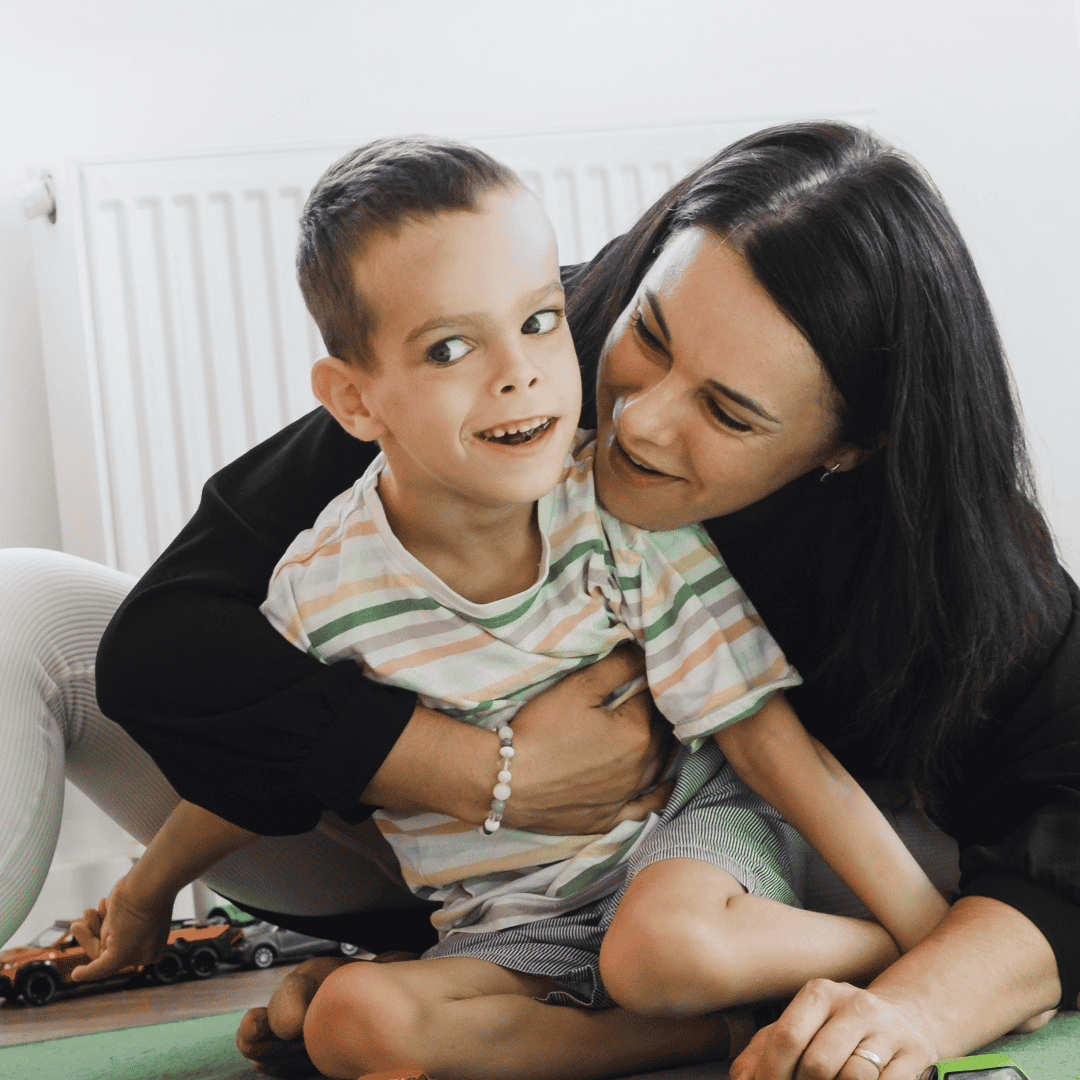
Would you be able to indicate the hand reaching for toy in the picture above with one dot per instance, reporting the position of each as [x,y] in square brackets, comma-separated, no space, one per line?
[131,925]
[121,933]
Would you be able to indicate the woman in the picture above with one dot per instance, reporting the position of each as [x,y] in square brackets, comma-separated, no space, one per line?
[916,591]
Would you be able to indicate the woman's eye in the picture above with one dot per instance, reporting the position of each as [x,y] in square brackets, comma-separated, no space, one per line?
[449,351]
[541,322]
[647,337]
[724,418]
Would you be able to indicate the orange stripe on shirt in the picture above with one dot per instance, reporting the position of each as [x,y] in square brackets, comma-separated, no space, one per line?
[565,626]
[729,694]
[701,654]
[426,656]
[379,583]
[320,547]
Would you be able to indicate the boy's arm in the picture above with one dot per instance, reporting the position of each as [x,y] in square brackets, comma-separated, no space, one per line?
[131,925]
[772,752]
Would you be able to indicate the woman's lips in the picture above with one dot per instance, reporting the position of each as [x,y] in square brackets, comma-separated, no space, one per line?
[631,471]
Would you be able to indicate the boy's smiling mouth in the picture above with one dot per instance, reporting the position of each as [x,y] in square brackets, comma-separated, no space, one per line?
[517,432]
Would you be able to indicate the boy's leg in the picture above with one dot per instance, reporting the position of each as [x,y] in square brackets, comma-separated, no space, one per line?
[688,939]
[460,1018]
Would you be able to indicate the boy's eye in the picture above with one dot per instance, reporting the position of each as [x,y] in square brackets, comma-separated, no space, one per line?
[541,322]
[449,351]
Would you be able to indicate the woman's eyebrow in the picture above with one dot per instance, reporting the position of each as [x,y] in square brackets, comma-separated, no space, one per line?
[741,399]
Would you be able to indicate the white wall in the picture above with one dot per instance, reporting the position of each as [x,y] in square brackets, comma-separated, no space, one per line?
[985,92]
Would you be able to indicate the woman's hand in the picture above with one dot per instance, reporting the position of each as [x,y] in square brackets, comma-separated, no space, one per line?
[815,1038]
[124,931]
[580,767]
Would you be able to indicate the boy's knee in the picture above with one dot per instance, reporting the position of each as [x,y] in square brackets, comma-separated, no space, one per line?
[360,1020]
[641,968]
[657,966]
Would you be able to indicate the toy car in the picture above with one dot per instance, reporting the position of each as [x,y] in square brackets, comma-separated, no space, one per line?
[979,1067]
[264,944]
[37,971]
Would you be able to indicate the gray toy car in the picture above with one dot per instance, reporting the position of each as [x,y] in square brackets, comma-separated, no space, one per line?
[263,944]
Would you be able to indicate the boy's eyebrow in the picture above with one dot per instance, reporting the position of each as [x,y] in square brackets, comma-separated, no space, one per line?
[471,318]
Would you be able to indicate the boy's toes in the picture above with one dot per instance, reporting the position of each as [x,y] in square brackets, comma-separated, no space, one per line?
[291,999]
[287,1060]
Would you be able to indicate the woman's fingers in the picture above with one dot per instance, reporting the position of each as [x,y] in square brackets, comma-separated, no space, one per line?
[788,1039]
[87,931]
[819,1032]
[618,667]
[579,763]
[745,1066]
[653,803]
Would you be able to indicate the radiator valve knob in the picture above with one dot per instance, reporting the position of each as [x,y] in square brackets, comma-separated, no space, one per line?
[38,199]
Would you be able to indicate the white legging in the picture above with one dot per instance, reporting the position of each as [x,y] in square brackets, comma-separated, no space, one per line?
[53,611]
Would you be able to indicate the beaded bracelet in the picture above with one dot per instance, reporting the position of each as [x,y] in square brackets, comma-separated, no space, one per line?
[501,791]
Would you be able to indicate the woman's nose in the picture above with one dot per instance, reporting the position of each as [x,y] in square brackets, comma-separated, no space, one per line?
[651,414]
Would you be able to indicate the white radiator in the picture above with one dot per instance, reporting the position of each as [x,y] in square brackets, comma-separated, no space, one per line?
[174,333]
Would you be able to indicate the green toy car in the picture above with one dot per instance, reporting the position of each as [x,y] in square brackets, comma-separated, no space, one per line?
[979,1067]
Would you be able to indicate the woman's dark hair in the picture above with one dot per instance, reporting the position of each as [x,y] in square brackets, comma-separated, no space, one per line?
[855,245]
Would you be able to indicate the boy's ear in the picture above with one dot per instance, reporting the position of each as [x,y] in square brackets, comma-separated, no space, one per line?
[344,390]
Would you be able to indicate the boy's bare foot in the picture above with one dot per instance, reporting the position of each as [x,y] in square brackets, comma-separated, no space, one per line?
[272,1056]
[273,1037]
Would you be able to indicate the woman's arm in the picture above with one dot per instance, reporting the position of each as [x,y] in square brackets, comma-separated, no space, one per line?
[774,755]
[984,970]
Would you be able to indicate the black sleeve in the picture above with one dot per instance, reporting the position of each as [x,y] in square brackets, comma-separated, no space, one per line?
[1016,807]
[240,721]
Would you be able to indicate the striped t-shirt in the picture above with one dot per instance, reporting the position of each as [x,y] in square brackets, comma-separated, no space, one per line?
[348,588]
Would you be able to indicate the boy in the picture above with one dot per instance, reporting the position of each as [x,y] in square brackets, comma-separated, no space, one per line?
[472,563]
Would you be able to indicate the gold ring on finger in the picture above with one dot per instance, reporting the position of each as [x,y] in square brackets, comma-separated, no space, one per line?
[869,1055]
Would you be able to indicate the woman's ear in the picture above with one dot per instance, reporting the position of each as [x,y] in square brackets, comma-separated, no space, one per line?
[345,391]
[846,457]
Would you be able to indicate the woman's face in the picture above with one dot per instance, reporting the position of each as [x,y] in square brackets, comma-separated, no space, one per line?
[708,398]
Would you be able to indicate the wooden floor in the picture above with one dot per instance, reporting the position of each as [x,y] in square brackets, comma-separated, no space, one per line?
[93,1008]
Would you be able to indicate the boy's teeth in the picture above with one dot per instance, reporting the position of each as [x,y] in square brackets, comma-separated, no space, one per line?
[528,430]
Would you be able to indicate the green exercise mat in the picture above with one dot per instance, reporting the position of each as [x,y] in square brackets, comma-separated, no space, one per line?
[203,1049]
[198,1049]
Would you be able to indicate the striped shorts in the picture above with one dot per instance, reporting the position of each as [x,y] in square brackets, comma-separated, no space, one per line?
[723,823]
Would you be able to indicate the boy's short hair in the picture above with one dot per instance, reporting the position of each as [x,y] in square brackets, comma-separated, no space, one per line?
[378,187]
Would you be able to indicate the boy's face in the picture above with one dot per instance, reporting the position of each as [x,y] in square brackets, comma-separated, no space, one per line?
[477,390]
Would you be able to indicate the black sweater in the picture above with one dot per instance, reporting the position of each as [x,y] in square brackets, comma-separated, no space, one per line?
[249,727]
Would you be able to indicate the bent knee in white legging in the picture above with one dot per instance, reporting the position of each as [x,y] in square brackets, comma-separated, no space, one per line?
[53,610]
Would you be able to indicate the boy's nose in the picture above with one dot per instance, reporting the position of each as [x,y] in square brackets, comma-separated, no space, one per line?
[515,370]
[510,387]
